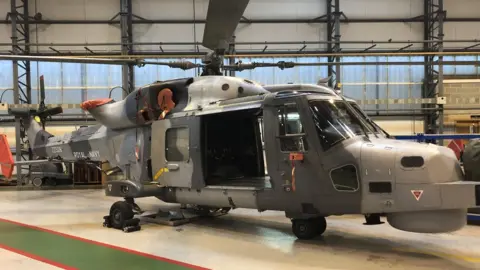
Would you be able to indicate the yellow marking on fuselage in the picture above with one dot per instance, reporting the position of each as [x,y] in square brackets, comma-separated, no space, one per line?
[159,173]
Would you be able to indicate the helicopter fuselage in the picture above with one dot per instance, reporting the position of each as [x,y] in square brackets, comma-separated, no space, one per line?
[306,152]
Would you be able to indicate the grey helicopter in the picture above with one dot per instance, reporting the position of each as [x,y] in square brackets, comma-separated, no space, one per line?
[217,143]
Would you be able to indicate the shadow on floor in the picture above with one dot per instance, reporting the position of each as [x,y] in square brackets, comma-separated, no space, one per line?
[373,248]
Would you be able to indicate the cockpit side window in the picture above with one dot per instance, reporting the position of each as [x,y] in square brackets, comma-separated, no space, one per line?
[345,178]
[291,131]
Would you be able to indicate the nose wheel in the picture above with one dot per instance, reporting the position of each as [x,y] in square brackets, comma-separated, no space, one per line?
[306,229]
[122,217]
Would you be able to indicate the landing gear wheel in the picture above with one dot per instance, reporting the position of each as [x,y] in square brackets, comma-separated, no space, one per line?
[306,229]
[37,182]
[120,212]
[321,225]
[121,217]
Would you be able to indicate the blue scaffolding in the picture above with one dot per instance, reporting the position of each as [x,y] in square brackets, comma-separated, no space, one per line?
[420,137]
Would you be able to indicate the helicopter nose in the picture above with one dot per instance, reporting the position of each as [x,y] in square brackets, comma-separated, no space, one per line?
[445,166]
[419,194]
[426,164]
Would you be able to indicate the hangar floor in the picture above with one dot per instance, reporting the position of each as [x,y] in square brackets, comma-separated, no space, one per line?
[63,229]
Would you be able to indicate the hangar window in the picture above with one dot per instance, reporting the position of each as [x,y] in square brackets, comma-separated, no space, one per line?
[345,178]
[291,130]
[177,144]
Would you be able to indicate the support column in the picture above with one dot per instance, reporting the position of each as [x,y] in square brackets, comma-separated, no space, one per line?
[126,27]
[333,38]
[434,16]
[231,60]
[84,83]
[22,91]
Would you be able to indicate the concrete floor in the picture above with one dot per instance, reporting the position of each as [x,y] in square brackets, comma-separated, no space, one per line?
[13,261]
[243,239]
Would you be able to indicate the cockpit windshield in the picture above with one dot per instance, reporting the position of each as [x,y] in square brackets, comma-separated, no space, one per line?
[364,117]
[335,122]
[372,125]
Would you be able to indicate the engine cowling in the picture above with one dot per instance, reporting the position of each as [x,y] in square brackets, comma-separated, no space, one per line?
[142,106]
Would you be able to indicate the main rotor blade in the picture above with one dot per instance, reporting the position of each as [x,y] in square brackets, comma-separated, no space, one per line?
[283,64]
[185,65]
[223,17]
[85,60]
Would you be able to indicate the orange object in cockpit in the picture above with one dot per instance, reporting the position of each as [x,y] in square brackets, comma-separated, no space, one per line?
[92,104]
[164,100]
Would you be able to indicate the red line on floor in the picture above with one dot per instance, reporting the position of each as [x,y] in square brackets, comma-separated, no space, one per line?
[37,258]
[139,253]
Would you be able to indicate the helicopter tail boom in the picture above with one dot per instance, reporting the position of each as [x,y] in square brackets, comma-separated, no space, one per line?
[33,122]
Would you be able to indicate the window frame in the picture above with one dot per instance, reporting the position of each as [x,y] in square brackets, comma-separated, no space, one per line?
[166,145]
[357,178]
[302,135]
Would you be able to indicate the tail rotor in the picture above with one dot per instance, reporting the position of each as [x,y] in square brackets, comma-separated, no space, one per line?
[43,112]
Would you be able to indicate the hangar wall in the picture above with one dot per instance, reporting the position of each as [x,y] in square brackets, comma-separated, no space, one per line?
[401,126]
[257,9]
[72,83]
[461,118]
[183,9]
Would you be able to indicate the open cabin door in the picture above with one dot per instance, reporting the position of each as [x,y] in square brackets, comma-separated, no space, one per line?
[176,152]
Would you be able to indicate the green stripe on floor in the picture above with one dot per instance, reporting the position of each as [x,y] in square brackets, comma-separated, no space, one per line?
[75,253]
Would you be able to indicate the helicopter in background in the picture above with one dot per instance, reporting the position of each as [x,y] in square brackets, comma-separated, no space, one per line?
[208,141]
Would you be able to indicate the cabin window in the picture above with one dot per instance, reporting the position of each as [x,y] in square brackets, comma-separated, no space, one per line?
[291,130]
[345,178]
[177,144]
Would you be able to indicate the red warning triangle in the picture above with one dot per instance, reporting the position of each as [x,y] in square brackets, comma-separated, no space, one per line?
[417,194]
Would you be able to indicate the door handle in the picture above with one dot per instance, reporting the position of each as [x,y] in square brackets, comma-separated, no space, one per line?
[173,167]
